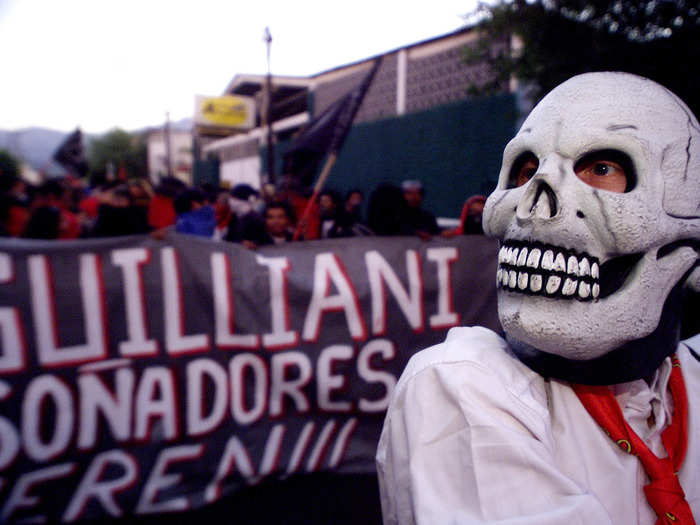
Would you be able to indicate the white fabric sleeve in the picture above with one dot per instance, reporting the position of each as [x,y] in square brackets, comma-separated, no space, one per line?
[466,443]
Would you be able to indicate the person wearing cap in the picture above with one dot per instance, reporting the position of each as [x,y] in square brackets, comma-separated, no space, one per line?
[246,223]
[418,221]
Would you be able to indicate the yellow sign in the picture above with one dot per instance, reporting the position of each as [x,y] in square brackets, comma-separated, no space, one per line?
[225,111]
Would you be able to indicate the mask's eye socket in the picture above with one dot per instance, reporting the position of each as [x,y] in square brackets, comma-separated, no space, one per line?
[523,169]
[609,170]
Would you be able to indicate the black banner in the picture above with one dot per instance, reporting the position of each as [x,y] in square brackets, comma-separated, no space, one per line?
[140,377]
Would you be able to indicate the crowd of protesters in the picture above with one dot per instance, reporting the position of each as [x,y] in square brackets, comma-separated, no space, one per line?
[70,208]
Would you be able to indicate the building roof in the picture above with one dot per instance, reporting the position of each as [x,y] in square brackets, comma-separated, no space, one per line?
[461,31]
[290,88]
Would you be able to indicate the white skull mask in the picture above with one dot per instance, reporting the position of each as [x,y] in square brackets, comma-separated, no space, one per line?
[583,270]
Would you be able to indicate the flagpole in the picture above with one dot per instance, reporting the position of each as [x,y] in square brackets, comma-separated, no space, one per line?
[267,37]
[314,196]
[342,123]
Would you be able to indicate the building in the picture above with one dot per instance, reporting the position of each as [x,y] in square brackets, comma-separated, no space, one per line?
[416,121]
[180,154]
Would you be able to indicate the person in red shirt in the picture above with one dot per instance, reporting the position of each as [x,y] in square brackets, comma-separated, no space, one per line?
[161,209]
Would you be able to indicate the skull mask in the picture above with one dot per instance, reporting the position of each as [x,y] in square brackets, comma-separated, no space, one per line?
[598,211]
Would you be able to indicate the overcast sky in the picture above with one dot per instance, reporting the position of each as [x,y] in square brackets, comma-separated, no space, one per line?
[100,64]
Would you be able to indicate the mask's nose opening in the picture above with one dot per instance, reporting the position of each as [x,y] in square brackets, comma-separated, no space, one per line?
[540,201]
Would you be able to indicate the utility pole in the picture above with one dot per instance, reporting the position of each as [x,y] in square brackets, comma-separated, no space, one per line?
[267,38]
[168,153]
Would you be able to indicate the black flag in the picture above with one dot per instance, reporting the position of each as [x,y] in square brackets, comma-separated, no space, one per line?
[71,155]
[327,132]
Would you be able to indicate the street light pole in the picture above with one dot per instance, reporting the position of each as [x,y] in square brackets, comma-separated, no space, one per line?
[168,152]
[267,38]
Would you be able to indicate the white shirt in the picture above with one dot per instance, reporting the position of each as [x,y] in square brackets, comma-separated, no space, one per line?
[474,436]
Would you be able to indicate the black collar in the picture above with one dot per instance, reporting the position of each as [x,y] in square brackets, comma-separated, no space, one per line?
[634,360]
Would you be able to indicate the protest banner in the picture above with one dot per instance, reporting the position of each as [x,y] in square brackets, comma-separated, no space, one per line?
[141,377]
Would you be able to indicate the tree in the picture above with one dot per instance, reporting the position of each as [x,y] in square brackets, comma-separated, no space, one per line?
[120,149]
[9,165]
[657,39]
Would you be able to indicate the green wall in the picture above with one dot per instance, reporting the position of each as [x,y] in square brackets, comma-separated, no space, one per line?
[205,171]
[455,150]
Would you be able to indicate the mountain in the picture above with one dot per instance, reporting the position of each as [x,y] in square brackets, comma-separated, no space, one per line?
[36,146]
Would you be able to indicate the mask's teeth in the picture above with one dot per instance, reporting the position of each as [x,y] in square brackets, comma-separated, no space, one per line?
[522,280]
[548,260]
[559,263]
[514,256]
[584,268]
[560,272]
[553,284]
[522,258]
[569,287]
[533,260]
[584,290]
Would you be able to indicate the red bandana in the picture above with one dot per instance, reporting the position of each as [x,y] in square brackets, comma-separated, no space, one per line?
[664,493]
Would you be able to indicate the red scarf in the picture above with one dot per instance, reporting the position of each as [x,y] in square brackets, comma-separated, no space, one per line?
[664,493]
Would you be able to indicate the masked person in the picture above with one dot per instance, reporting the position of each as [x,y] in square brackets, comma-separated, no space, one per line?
[588,412]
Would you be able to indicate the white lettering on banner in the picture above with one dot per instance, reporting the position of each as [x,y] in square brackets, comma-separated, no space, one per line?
[342,441]
[281,386]
[164,407]
[281,335]
[113,472]
[445,317]
[332,293]
[320,447]
[328,268]
[42,389]
[95,399]
[387,350]
[9,437]
[326,381]
[7,273]
[176,342]
[12,357]
[300,447]
[20,497]
[255,405]
[237,370]
[198,371]
[411,303]
[131,262]
[13,347]
[273,449]
[92,486]
[235,456]
[224,307]
[159,480]
[129,405]
[44,311]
